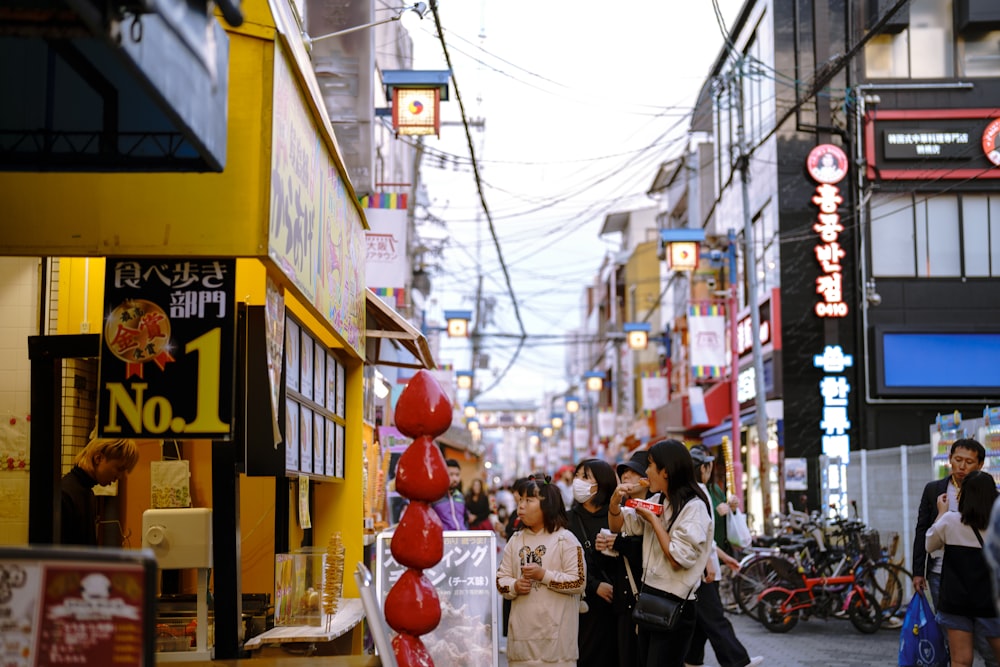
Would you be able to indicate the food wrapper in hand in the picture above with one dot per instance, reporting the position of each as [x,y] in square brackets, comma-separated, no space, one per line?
[655,508]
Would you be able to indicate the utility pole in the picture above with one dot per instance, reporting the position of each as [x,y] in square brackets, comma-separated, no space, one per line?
[750,269]
[474,333]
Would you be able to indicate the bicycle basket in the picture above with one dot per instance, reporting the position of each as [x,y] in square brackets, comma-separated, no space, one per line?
[871,546]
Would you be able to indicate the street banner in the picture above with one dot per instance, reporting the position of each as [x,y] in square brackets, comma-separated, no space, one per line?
[167,349]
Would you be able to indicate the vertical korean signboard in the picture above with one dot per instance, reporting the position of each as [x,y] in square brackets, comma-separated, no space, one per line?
[465,580]
[827,165]
[167,349]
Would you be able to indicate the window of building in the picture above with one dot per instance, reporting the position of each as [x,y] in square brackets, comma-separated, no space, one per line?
[924,50]
[931,48]
[766,250]
[979,53]
[946,236]
[723,130]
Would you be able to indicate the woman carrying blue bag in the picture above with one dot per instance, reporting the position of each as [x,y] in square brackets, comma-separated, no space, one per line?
[965,604]
[921,640]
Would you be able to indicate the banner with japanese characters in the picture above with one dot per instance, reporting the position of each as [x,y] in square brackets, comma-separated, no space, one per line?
[167,349]
[465,580]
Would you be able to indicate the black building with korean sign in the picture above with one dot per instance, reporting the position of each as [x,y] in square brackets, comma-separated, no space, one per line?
[889,303]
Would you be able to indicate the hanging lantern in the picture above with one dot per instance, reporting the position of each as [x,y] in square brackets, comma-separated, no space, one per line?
[416,99]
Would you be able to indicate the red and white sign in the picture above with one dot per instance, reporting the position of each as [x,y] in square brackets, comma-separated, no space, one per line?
[827,163]
[990,148]
[825,167]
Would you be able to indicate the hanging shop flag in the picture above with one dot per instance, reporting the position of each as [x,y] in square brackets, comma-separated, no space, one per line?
[707,336]
[654,391]
[167,349]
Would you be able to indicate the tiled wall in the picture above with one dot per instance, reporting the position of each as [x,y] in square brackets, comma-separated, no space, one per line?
[19,304]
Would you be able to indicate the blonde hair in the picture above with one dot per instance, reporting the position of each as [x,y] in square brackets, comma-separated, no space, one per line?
[116,450]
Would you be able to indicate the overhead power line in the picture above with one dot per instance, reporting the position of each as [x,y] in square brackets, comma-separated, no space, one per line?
[482,196]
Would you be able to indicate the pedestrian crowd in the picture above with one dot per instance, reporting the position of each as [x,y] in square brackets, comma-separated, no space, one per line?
[609,566]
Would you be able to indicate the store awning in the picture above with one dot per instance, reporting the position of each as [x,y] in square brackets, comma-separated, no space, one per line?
[384,323]
[458,438]
[713,436]
[102,89]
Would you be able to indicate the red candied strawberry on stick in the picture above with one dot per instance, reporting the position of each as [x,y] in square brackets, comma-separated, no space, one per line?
[412,607]
[410,651]
[423,407]
[421,473]
[417,541]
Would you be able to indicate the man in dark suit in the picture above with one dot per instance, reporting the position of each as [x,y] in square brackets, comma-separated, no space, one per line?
[966,455]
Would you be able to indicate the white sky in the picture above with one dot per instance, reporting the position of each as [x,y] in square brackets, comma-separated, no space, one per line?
[582,101]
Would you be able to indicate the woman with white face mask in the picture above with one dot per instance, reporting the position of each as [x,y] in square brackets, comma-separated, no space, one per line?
[594,481]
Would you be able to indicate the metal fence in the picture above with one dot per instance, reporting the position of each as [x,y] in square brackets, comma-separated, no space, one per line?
[887,484]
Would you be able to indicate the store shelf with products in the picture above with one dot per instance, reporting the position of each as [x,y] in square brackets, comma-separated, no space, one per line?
[951,427]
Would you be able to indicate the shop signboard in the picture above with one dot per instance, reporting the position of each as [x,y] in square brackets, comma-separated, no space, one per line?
[168,349]
[465,580]
[75,607]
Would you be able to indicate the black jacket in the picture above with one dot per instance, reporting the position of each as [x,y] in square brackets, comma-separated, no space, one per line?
[78,523]
[926,515]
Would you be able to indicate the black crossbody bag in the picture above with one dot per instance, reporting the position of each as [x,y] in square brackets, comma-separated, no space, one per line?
[656,610]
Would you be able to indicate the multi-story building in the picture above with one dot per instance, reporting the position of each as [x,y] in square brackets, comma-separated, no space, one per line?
[856,148]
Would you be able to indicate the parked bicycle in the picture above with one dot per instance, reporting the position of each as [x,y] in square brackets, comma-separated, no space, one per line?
[819,548]
[780,607]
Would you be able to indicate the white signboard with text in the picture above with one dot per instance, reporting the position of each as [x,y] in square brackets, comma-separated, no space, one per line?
[465,580]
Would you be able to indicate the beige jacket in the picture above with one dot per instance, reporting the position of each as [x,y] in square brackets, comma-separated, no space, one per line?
[543,623]
[691,545]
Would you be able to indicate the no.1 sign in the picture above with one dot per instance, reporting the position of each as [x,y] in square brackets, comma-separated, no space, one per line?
[167,349]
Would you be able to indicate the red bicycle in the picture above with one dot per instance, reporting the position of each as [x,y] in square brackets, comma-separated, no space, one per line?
[780,607]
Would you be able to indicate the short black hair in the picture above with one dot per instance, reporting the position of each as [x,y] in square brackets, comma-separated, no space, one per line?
[971,445]
[605,477]
[452,463]
[551,503]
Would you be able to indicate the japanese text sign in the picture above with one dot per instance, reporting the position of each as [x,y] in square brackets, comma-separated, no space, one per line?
[167,349]
[465,581]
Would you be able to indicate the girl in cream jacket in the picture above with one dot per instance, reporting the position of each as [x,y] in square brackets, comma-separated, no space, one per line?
[543,573]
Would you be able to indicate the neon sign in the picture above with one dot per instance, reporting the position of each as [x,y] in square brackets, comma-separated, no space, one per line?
[827,165]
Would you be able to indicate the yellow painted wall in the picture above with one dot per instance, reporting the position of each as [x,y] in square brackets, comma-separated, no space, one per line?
[185,215]
[97,214]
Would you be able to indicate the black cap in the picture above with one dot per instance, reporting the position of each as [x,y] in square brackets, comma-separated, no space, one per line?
[700,455]
[637,463]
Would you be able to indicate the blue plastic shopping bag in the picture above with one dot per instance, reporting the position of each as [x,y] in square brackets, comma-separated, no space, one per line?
[921,640]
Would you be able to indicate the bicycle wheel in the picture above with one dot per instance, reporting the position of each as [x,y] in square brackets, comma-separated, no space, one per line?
[865,614]
[770,615]
[883,582]
[754,578]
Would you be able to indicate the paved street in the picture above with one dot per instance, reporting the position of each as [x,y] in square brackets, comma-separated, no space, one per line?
[814,643]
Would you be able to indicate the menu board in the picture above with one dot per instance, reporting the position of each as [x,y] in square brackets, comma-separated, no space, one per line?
[314,406]
[465,580]
[76,607]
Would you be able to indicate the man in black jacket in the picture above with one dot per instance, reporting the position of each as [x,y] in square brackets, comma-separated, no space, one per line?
[102,462]
[966,456]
